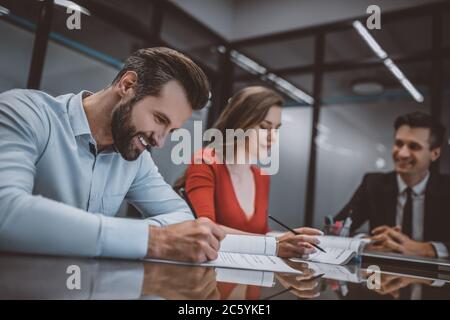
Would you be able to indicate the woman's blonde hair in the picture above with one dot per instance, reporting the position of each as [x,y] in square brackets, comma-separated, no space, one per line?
[246,109]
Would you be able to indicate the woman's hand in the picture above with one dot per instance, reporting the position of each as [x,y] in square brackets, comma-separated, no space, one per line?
[298,246]
[305,285]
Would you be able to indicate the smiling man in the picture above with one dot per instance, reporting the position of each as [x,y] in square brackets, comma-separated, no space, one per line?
[67,163]
[409,209]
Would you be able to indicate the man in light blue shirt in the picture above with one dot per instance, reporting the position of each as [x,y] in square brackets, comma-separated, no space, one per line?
[67,163]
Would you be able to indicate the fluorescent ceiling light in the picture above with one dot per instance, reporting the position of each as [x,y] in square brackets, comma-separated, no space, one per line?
[367,87]
[255,68]
[3,11]
[412,90]
[373,44]
[72,5]
[246,63]
[394,69]
[403,80]
[291,90]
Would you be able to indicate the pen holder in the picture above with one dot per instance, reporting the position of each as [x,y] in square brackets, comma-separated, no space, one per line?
[333,230]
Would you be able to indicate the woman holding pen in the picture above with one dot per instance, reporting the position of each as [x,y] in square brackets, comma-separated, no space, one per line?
[235,193]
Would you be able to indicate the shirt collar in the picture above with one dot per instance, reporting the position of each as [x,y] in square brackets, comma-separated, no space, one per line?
[418,189]
[77,116]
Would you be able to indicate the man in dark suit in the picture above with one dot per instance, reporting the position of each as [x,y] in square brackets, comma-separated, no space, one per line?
[408,209]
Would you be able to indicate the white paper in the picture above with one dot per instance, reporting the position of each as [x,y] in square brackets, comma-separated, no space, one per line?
[339,250]
[353,244]
[332,256]
[250,262]
[249,244]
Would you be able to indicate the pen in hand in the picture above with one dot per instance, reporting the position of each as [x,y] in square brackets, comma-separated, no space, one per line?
[294,232]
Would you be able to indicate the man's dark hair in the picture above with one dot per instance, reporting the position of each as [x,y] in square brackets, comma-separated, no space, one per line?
[423,120]
[157,66]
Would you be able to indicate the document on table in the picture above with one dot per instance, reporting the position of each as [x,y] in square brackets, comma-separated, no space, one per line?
[245,252]
[250,262]
[339,250]
[259,245]
[333,256]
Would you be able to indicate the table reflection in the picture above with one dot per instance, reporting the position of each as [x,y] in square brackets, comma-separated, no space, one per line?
[44,277]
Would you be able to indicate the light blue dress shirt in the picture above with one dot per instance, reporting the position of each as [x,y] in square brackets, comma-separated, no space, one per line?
[56,197]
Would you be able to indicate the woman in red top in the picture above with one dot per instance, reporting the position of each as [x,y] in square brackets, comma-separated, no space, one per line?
[233,191]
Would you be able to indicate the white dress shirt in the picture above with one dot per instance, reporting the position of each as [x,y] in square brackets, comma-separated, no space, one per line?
[418,205]
[59,198]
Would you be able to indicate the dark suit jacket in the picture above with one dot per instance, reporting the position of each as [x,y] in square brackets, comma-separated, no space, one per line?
[376,201]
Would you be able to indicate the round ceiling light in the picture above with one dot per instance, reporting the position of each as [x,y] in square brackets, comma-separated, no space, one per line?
[367,88]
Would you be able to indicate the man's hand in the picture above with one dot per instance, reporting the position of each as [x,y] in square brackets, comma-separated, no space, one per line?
[191,241]
[391,284]
[179,282]
[298,246]
[391,239]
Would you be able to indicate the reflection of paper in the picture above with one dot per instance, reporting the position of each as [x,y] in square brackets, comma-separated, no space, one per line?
[250,262]
[340,273]
[333,256]
[241,261]
[248,277]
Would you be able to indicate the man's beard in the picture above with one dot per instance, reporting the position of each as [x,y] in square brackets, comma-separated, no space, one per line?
[123,131]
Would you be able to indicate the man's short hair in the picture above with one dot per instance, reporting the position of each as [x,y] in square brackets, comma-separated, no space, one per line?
[157,66]
[423,120]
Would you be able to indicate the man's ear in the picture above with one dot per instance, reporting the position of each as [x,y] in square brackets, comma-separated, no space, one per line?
[127,84]
[435,154]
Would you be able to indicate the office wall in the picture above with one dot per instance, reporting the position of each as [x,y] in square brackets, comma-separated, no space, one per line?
[68,71]
[15,56]
[288,186]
